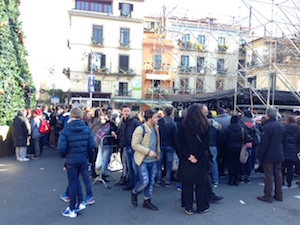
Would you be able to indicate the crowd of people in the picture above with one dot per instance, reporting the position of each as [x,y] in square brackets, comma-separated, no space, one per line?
[207,146]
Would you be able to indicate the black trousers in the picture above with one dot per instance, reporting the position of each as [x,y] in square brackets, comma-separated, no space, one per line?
[201,196]
[289,165]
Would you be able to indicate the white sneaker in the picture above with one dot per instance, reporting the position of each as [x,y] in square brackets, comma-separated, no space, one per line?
[24,160]
[69,213]
[80,207]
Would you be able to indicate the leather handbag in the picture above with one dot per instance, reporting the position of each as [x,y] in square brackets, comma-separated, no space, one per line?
[244,154]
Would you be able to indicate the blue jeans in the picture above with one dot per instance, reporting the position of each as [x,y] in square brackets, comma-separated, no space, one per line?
[38,146]
[147,172]
[107,151]
[165,153]
[245,169]
[74,188]
[131,166]
[215,171]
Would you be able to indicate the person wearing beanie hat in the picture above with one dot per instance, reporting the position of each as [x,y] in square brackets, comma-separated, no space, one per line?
[232,139]
[37,137]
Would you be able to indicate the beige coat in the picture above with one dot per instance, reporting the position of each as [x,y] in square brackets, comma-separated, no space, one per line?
[141,145]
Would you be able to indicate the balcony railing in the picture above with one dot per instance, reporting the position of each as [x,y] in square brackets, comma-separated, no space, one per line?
[123,93]
[97,42]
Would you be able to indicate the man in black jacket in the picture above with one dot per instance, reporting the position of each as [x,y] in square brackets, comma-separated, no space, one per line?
[271,155]
[127,126]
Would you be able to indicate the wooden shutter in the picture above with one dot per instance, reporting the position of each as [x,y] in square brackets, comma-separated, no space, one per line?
[103,61]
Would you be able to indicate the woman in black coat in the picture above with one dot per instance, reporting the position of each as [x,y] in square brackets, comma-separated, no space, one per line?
[291,149]
[21,132]
[233,141]
[192,149]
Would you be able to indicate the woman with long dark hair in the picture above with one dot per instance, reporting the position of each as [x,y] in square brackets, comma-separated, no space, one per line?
[193,147]
[291,149]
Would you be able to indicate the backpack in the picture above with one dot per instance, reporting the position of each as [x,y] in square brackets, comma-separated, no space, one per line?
[44,127]
[104,130]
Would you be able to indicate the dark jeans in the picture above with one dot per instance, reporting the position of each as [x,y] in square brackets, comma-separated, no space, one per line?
[245,169]
[74,170]
[131,166]
[167,154]
[201,196]
[271,170]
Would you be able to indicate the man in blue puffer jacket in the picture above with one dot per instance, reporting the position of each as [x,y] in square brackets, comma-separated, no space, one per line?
[76,144]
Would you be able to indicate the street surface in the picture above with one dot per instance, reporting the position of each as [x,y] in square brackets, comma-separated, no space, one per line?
[30,194]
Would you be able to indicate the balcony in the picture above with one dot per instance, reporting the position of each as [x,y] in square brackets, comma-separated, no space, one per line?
[187,69]
[157,92]
[115,71]
[222,48]
[124,45]
[164,67]
[221,71]
[98,43]
[123,93]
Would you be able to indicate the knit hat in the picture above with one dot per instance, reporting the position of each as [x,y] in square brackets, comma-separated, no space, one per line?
[37,112]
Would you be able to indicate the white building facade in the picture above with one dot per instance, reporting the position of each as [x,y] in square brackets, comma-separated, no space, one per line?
[106,44]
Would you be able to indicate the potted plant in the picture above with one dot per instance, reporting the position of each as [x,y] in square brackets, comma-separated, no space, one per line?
[222,47]
[197,46]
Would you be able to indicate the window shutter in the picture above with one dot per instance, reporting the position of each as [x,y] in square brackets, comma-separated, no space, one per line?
[89,62]
[103,61]
[120,6]
[131,7]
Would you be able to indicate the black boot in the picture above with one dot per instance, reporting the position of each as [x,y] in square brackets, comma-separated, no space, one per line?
[148,205]
[121,182]
[134,200]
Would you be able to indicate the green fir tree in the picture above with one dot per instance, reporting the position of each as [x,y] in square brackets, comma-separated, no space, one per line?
[17,89]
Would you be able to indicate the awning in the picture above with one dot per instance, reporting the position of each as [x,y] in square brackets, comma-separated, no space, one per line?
[150,102]
[151,76]
[88,99]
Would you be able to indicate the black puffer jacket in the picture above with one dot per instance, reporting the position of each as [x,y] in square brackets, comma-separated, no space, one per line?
[291,143]
[233,138]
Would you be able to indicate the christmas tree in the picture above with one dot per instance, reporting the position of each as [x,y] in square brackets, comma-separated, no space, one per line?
[17,90]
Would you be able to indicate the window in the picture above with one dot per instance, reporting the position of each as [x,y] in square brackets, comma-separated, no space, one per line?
[184,61]
[221,40]
[97,34]
[149,25]
[199,85]
[220,65]
[211,22]
[201,39]
[156,83]
[184,85]
[241,67]
[200,63]
[157,62]
[124,37]
[123,89]
[185,37]
[219,85]
[98,85]
[98,62]
[96,6]
[123,63]
[125,9]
